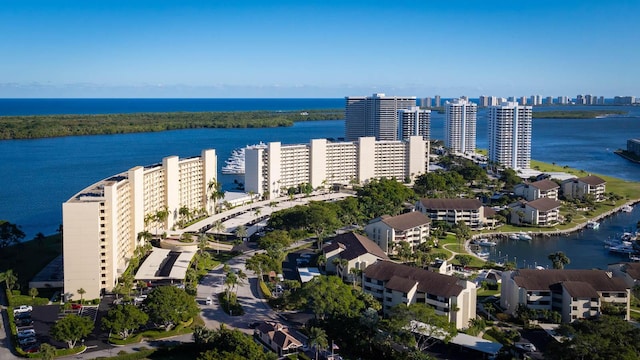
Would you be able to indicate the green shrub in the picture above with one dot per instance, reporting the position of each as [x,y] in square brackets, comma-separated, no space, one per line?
[303,356]
[265,290]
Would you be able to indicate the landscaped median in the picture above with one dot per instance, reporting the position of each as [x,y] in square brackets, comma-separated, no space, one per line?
[156,334]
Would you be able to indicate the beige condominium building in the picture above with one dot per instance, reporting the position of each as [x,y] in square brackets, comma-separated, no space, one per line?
[270,171]
[460,125]
[101,223]
[509,127]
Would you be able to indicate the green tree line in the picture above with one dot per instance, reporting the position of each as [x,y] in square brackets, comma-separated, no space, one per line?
[45,126]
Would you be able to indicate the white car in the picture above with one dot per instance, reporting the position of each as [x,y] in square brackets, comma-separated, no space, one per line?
[528,347]
[208,301]
[22,309]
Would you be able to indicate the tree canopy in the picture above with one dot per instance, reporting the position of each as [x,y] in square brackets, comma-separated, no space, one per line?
[418,326]
[71,328]
[383,197]
[168,306]
[328,296]
[226,344]
[10,234]
[124,320]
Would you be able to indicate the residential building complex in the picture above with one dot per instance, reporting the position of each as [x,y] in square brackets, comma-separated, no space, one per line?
[353,251]
[537,189]
[278,338]
[388,231]
[414,122]
[509,127]
[575,294]
[577,188]
[460,126]
[102,222]
[471,211]
[375,115]
[394,284]
[270,171]
[539,212]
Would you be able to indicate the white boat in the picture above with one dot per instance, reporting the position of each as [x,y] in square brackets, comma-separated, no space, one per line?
[625,248]
[514,237]
[485,242]
[524,236]
[593,225]
[235,163]
[483,254]
[627,208]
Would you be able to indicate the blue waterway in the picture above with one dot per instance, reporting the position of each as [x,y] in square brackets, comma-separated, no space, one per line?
[37,176]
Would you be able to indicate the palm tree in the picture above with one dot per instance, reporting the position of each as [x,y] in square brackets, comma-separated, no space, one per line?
[355,275]
[203,242]
[145,236]
[488,307]
[230,281]
[161,216]
[318,339]
[33,292]
[241,232]
[141,285]
[559,260]
[10,278]
[184,214]
[241,277]
[341,265]
[81,291]
[215,191]
[218,227]
[322,260]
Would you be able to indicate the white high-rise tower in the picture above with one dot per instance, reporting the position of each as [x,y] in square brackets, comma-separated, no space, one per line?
[414,122]
[510,135]
[460,126]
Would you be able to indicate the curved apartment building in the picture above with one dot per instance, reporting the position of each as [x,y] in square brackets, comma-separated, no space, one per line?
[101,223]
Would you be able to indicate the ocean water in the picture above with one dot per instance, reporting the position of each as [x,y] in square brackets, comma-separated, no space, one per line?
[37,176]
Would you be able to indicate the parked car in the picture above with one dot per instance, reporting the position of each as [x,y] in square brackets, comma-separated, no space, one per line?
[23,334]
[24,322]
[22,309]
[23,315]
[31,349]
[208,301]
[75,306]
[28,341]
[528,347]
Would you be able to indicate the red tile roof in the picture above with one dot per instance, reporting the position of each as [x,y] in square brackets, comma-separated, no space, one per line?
[451,204]
[406,221]
[404,277]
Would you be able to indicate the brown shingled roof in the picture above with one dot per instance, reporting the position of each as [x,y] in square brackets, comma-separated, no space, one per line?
[545,185]
[428,282]
[451,204]
[544,204]
[592,180]
[354,245]
[580,289]
[543,279]
[633,270]
[406,221]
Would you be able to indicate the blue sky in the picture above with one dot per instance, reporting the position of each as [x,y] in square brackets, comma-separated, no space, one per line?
[318,48]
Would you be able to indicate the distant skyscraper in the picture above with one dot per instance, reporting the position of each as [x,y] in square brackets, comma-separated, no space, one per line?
[535,100]
[624,100]
[437,102]
[580,100]
[523,100]
[509,128]
[601,100]
[426,103]
[563,100]
[549,100]
[414,121]
[375,116]
[460,125]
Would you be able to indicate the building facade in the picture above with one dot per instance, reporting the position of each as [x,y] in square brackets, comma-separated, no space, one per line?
[102,222]
[471,211]
[537,189]
[375,115]
[509,128]
[460,126]
[577,188]
[414,122]
[394,284]
[575,294]
[387,231]
[270,171]
[351,251]
[539,212]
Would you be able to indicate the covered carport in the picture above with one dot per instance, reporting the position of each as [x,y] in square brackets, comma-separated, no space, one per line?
[165,266]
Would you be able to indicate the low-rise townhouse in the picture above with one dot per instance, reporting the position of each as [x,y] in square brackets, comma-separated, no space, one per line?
[388,231]
[394,284]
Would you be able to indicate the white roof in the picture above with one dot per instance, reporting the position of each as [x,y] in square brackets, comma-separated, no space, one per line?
[152,264]
[306,274]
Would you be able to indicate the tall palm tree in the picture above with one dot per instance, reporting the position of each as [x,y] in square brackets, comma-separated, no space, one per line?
[318,339]
[341,266]
[215,192]
[82,291]
[241,277]
[10,278]
[218,227]
[203,242]
[230,281]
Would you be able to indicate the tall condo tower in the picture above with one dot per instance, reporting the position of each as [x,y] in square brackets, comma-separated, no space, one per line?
[510,135]
[375,115]
[414,122]
[460,126]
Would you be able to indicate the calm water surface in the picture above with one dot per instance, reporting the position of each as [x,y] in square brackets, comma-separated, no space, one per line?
[37,176]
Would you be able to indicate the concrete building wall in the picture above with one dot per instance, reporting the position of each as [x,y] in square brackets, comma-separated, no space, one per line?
[318,159]
[366,158]
[172,195]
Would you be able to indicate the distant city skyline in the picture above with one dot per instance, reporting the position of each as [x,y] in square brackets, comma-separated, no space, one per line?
[317,49]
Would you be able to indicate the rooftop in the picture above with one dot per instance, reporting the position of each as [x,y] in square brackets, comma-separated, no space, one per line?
[428,282]
[354,245]
[600,280]
[544,204]
[406,221]
[451,204]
